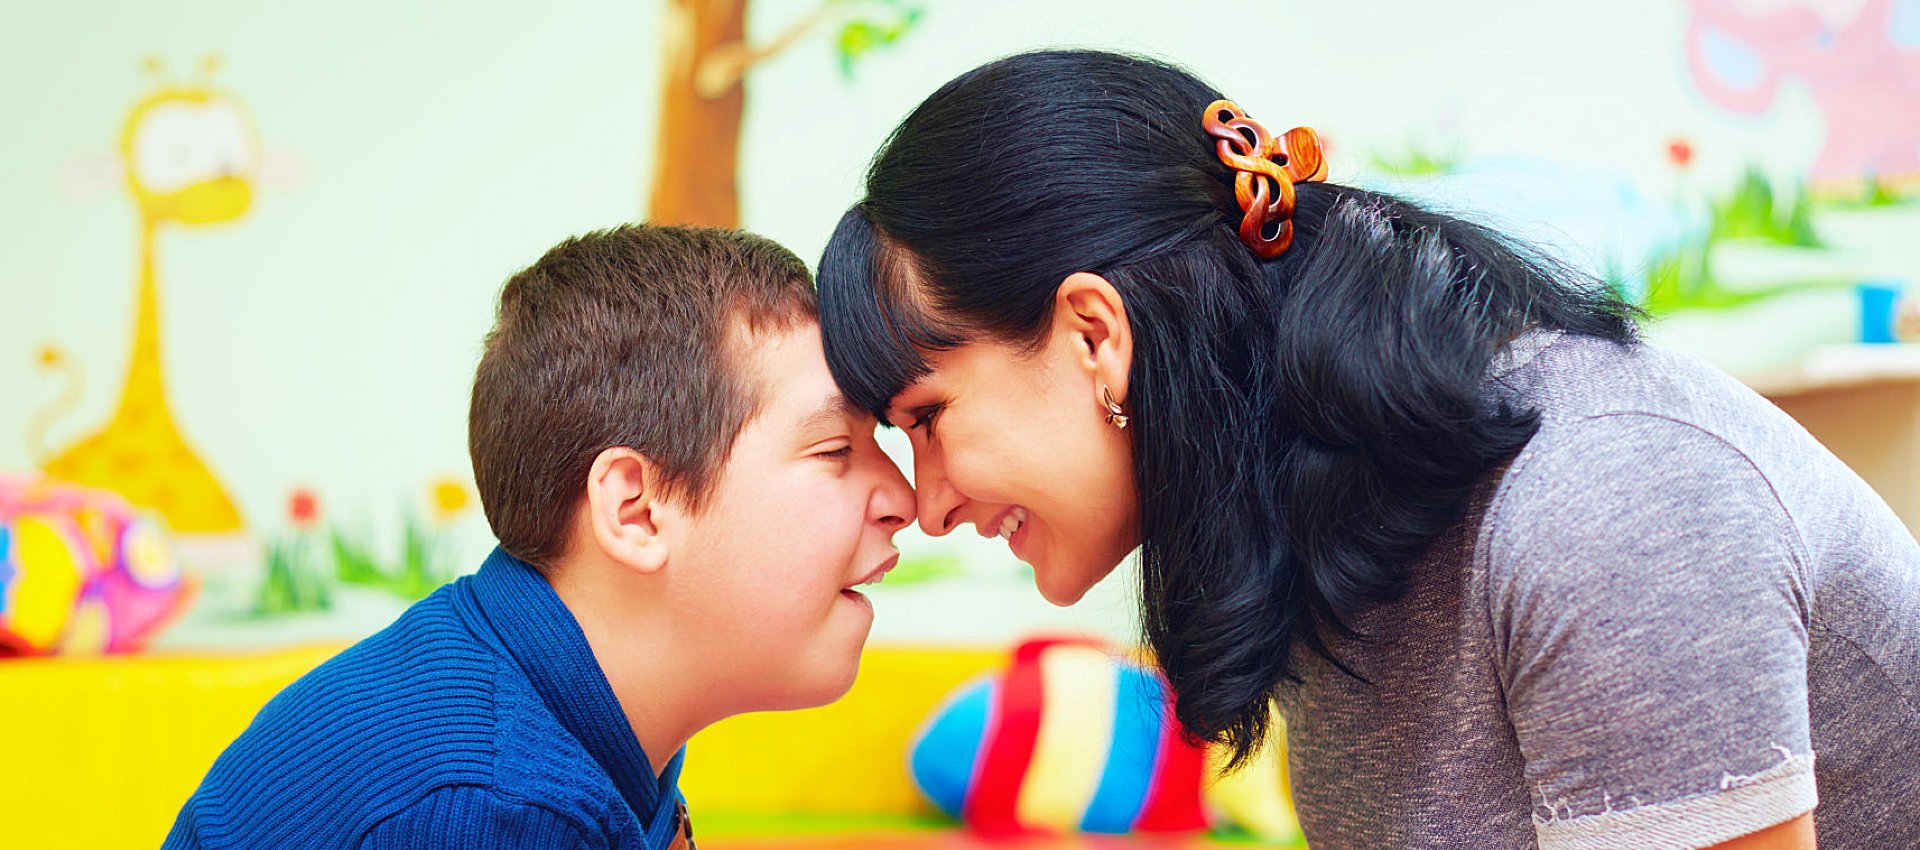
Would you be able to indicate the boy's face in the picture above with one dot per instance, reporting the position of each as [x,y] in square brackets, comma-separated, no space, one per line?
[803,511]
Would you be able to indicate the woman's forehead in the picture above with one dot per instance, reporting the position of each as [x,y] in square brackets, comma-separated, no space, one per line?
[915,393]
[952,370]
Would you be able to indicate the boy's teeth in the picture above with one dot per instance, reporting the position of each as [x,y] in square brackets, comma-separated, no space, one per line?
[1015,518]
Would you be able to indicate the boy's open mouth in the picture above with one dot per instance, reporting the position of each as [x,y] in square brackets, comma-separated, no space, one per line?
[874,577]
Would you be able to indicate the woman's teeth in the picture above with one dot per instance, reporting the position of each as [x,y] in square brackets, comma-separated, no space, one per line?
[1015,518]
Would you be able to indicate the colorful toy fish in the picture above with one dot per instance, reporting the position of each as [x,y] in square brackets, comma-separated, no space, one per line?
[81,571]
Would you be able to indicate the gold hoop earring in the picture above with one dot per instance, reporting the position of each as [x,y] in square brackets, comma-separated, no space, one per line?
[1115,416]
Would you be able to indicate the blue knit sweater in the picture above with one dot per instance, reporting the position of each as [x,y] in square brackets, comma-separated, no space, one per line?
[478,719]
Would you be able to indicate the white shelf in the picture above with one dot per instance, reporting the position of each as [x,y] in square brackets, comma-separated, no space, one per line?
[1840,366]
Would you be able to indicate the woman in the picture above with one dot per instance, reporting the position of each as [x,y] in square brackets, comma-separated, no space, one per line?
[1511,576]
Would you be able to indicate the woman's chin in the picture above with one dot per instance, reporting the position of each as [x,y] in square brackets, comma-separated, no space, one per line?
[1066,587]
[1062,597]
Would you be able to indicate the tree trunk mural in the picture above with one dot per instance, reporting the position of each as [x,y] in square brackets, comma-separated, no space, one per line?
[705,60]
[696,161]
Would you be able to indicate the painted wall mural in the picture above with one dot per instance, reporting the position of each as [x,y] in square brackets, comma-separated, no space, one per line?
[190,155]
[705,60]
[1860,62]
[294,380]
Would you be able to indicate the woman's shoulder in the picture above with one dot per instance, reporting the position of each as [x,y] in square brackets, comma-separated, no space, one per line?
[1663,418]
[1568,377]
[1639,444]
[1622,462]
[1638,510]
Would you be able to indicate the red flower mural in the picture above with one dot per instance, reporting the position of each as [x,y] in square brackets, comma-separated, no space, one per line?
[303,507]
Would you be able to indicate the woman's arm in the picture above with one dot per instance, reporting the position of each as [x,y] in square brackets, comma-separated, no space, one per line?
[1796,834]
[1651,614]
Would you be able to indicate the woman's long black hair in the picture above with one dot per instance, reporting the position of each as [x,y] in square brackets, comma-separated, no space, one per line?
[1303,427]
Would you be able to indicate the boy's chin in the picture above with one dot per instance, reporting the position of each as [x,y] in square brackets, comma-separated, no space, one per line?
[818,688]
[822,676]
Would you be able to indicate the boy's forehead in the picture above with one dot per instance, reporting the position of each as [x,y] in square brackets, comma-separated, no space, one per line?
[787,370]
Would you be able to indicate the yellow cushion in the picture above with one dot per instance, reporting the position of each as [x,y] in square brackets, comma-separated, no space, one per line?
[102,752]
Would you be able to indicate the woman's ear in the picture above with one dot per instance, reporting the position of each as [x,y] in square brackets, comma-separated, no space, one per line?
[1087,310]
[628,515]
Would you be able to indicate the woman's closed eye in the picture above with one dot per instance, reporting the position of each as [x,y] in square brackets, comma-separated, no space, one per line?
[924,416]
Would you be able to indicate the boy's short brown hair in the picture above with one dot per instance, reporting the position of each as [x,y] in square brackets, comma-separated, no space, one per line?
[621,337]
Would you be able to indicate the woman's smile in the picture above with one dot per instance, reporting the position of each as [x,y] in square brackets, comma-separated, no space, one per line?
[1005,524]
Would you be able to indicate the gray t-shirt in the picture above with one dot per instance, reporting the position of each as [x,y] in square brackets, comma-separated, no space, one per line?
[1672,620]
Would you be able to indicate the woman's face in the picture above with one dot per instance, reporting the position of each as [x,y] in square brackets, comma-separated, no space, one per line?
[1017,442]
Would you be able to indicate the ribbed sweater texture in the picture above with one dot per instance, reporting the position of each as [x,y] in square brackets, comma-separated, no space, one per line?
[478,719]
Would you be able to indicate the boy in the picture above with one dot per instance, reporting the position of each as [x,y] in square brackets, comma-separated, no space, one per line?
[684,504]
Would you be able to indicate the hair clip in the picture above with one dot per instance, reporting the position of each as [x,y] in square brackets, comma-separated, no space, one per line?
[1265,169]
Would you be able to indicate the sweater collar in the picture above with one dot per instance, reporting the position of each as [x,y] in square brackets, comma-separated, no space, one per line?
[546,642]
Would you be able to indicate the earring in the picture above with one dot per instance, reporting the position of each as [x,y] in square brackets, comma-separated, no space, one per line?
[1115,416]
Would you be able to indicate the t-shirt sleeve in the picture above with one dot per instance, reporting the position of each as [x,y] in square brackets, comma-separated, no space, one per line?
[1650,607]
[469,816]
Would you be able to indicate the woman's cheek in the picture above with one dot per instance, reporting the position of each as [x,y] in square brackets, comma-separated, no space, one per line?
[979,478]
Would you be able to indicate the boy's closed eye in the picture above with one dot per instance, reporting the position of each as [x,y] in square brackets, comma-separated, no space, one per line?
[829,428]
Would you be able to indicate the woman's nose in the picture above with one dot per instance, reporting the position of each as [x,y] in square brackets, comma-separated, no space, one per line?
[894,499]
[936,499]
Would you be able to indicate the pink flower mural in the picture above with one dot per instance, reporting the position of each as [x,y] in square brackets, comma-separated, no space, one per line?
[1860,60]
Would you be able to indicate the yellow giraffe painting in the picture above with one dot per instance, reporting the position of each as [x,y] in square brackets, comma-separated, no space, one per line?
[190,154]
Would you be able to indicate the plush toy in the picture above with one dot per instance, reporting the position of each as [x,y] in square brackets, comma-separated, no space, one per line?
[81,571]
[1070,738]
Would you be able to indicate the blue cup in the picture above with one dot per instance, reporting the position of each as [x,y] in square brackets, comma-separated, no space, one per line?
[1879,300]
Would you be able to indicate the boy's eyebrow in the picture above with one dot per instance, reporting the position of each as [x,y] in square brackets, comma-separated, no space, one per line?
[835,410]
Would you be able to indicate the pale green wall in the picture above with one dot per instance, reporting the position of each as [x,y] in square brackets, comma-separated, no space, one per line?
[328,338]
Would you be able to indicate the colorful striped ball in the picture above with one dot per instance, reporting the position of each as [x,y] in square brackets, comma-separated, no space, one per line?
[1069,738]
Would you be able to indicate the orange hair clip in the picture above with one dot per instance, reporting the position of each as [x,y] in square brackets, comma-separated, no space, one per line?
[1265,169]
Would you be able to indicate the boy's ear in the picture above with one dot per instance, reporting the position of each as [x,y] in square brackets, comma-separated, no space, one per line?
[628,512]
[1089,312]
